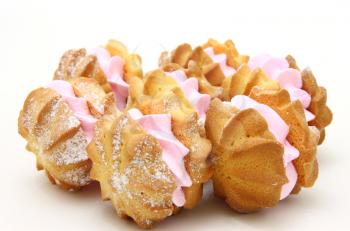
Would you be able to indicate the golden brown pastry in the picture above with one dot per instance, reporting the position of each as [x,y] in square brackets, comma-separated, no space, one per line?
[77,63]
[247,158]
[172,93]
[244,80]
[193,70]
[144,167]
[111,66]
[147,139]
[271,73]
[57,122]
[318,105]
[304,137]
[128,164]
[204,61]
[257,162]
[223,67]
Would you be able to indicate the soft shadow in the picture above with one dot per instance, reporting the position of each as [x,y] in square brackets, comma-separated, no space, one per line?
[215,213]
[212,211]
[327,157]
[90,191]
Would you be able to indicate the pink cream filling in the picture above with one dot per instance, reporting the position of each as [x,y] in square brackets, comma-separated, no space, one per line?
[280,130]
[113,67]
[173,151]
[221,59]
[190,88]
[77,104]
[278,69]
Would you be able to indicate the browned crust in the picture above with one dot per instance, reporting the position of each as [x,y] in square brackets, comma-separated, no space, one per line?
[243,81]
[216,85]
[248,161]
[197,62]
[133,62]
[77,63]
[157,94]
[33,125]
[131,171]
[300,135]
[89,89]
[318,105]
[50,128]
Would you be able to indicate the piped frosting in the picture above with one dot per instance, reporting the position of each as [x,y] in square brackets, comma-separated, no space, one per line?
[289,78]
[113,68]
[77,104]
[221,59]
[280,130]
[173,151]
[190,88]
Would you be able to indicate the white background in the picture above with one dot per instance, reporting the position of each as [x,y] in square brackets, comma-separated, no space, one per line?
[34,34]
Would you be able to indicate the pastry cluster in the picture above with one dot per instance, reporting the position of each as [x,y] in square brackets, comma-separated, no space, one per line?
[250,124]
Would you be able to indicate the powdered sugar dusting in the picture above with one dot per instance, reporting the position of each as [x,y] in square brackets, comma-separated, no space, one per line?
[170,104]
[92,96]
[28,120]
[68,64]
[78,176]
[71,151]
[98,143]
[72,121]
[117,139]
[58,108]
[143,169]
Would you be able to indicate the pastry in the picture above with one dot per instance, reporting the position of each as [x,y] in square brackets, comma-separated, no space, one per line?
[255,161]
[194,71]
[142,165]
[252,125]
[216,61]
[304,137]
[128,163]
[171,93]
[152,158]
[112,66]
[223,66]
[301,86]
[322,114]
[272,81]
[58,122]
